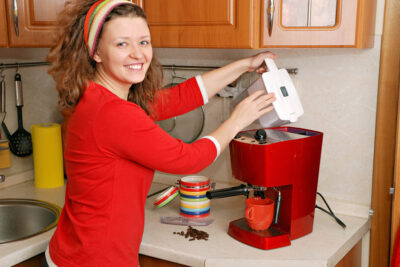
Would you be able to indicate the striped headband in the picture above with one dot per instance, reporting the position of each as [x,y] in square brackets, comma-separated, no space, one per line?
[94,21]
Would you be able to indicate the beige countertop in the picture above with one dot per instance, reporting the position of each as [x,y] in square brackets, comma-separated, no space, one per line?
[325,246]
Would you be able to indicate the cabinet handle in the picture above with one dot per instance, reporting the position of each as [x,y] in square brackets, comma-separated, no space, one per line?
[15,14]
[270,15]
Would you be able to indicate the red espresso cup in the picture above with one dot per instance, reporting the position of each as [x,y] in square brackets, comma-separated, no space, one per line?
[259,213]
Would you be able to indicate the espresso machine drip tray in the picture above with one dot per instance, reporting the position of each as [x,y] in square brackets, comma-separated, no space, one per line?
[267,239]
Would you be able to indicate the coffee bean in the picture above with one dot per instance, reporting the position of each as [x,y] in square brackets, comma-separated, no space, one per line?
[193,234]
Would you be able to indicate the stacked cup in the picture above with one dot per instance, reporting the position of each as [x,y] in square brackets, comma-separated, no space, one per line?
[193,200]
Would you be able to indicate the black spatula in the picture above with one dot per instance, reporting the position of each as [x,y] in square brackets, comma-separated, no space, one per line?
[21,140]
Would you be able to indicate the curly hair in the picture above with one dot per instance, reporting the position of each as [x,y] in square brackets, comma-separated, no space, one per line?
[72,68]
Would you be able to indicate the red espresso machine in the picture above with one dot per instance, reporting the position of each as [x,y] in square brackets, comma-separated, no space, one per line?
[280,163]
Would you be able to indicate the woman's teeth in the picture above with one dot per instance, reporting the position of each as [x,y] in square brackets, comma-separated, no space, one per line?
[135,67]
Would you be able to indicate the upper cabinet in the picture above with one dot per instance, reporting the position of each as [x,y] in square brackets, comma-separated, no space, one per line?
[250,24]
[3,25]
[203,24]
[31,23]
[261,23]
[318,23]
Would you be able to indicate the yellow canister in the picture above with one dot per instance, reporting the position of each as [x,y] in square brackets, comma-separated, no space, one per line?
[5,157]
[47,155]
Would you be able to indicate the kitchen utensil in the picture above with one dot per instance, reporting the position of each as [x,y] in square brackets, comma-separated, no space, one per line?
[287,106]
[187,127]
[196,207]
[157,192]
[186,221]
[167,125]
[193,200]
[3,98]
[21,139]
[3,110]
[200,204]
[285,169]
[194,193]
[259,213]
[194,181]
[195,189]
[165,197]
[196,213]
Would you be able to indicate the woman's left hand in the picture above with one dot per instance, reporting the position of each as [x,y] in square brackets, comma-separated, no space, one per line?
[217,79]
[257,63]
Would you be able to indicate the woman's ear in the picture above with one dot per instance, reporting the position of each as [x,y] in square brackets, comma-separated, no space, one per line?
[96,57]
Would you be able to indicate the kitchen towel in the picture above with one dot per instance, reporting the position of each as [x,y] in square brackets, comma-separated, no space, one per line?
[47,155]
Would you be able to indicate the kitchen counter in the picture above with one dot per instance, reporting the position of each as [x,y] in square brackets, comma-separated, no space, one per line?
[325,246]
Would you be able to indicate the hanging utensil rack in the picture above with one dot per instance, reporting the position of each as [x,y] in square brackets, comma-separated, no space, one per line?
[292,71]
[22,65]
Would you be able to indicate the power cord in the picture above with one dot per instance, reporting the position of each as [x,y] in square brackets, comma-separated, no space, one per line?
[330,212]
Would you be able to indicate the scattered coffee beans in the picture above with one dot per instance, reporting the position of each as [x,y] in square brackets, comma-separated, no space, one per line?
[193,234]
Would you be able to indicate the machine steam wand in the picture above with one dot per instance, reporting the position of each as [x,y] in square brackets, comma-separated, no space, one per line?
[277,206]
[236,191]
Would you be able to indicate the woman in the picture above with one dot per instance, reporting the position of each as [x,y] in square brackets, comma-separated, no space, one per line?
[105,71]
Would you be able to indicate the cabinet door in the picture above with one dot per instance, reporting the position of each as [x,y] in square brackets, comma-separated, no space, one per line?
[318,23]
[3,25]
[36,22]
[203,24]
[31,23]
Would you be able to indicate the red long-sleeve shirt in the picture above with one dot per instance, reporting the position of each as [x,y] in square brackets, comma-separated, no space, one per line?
[112,150]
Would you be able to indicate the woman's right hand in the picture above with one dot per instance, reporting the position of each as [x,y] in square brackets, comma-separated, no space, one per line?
[251,108]
[247,111]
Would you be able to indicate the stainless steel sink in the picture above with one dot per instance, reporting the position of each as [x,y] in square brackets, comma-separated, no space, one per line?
[23,218]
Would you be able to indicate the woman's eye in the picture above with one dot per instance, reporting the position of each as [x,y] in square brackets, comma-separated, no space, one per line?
[145,42]
[122,44]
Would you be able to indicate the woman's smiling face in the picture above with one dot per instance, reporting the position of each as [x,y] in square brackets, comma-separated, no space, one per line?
[124,52]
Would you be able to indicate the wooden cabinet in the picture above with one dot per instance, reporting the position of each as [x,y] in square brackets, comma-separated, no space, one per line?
[36,261]
[245,23]
[31,23]
[318,23]
[147,261]
[3,25]
[203,24]
[36,22]
[352,259]
[215,23]
[173,23]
